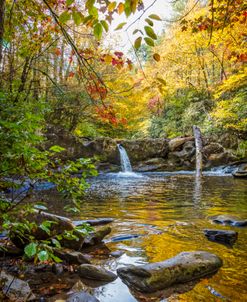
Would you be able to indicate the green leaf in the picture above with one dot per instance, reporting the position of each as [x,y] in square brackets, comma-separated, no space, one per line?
[149,41]
[56,148]
[120,26]
[155,17]
[64,17]
[98,29]
[31,249]
[69,2]
[90,4]
[137,43]
[150,22]
[77,17]
[105,25]
[149,31]
[127,8]
[43,256]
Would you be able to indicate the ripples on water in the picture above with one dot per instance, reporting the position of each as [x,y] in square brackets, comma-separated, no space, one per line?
[169,212]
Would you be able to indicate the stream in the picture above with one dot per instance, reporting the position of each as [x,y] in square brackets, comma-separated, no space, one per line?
[158,215]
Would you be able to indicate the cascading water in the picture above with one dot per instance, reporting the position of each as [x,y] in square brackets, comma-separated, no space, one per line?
[125,162]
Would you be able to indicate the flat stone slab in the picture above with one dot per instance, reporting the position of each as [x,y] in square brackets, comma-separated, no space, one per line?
[221,236]
[185,267]
[93,272]
[229,220]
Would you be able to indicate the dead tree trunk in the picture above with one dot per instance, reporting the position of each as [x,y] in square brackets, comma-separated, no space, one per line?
[198,143]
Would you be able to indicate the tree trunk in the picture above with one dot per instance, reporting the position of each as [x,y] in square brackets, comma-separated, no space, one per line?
[2,10]
[198,143]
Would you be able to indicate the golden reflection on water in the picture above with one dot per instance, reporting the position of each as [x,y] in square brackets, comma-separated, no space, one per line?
[170,212]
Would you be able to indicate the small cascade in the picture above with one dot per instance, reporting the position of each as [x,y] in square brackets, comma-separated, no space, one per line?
[125,162]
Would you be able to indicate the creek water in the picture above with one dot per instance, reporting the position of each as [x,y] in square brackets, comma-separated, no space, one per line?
[158,215]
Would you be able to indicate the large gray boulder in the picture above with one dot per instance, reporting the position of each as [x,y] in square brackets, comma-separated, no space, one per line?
[184,267]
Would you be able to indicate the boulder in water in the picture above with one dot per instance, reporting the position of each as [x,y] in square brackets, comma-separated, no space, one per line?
[89,271]
[241,172]
[229,220]
[221,236]
[184,267]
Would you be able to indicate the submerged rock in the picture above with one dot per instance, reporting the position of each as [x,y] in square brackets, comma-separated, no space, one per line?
[89,271]
[94,222]
[221,236]
[15,289]
[184,267]
[81,297]
[97,236]
[229,220]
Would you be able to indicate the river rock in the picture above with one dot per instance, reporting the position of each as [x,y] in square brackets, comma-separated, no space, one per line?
[89,271]
[96,237]
[219,159]
[241,171]
[177,142]
[184,267]
[71,257]
[221,236]
[81,297]
[94,222]
[117,254]
[73,243]
[212,148]
[144,149]
[229,220]
[15,289]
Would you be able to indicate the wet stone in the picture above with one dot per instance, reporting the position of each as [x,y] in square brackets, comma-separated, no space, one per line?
[221,236]
[229,220]
[71,257]
[117,254]
[57,268]
[96,237]
[185,267]
[94,222]
[89,271]
[81,297]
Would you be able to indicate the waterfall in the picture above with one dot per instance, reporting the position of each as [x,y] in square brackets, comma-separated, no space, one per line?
[125,162]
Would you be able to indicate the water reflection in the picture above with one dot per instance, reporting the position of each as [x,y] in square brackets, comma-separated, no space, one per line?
[169,212]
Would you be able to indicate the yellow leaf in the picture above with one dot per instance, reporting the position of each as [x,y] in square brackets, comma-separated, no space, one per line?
[108,59]
[112,6]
